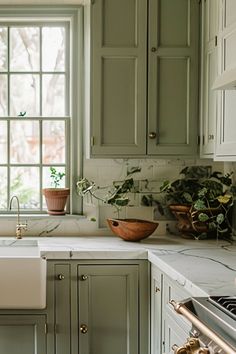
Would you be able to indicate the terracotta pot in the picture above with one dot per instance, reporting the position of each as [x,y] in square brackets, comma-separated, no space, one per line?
[188,223]
[56,199]
[132,229]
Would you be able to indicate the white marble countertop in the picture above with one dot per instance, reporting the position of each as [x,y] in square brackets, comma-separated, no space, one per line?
[201,267]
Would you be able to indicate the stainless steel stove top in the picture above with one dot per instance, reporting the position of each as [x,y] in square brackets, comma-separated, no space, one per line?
[218,313]
[226,304]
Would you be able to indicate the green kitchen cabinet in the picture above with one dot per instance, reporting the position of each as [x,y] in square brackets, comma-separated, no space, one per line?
[173,77]
[144,77]
[118,72]
[209,65]
[23,334]
[156,310]
[99,307]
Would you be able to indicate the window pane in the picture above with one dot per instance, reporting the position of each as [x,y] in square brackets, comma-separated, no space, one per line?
[3,142]
[24,94]
[24,143]
[53,142]
[3,95]
[3,189]
[53,95]
[47,181]
[3,48]
[24,49]
[53,48]
[25,184]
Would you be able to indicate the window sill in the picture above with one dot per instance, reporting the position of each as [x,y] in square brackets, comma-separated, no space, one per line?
[10,217]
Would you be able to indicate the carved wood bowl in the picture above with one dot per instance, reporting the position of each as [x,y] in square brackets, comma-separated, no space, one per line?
[132,229]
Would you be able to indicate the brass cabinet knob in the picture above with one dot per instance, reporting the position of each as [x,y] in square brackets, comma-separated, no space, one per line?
[211,137]
[83,328]
[152,135]
[84,277]
[60,277]
[153,49]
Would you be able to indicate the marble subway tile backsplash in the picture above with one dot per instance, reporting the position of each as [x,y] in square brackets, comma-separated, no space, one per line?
[103,171]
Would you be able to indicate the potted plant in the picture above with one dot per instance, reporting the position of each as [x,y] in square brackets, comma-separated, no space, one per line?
[116,195]
[56,197]
[201,201]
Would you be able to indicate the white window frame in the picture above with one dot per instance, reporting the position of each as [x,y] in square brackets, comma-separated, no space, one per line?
[73,16]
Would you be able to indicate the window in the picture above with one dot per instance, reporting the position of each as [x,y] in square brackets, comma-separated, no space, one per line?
[36,107]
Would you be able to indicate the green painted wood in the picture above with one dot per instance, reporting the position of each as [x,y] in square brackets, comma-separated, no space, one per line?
[156,308]
[109,307]
[118,75]
[62,308]
[173,77]
[208,75]
[22,334]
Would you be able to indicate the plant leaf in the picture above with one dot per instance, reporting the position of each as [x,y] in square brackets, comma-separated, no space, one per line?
[203,217]
[199,205]
[220,218]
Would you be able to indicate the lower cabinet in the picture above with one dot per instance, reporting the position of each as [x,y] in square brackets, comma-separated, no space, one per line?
[23,334]
[99,307]
[167,327]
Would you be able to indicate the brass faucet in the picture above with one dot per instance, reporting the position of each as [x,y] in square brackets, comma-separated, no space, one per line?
[19,225]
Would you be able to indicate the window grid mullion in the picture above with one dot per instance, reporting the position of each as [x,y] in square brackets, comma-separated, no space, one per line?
[8,122]
[40,119]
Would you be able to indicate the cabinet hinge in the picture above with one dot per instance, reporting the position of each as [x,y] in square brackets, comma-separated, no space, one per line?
[45,328]
[92,140]
[216,41]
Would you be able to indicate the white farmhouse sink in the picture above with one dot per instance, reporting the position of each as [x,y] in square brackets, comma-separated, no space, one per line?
[22,275]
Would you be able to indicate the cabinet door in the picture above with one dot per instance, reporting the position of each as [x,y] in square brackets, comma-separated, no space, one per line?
[23,334]
[208,76]
[226,123]
[173,77]
[118,95]
[62,310]
[108,309]
[174,334]
[156,306]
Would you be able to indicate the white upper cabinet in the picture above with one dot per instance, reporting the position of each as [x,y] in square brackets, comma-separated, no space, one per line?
[225,149]
[227,46]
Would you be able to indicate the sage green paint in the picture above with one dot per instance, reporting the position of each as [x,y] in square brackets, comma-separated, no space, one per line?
[118,77]
[22,334]
[209,68]
[173,77]
[62,309]
[108,305]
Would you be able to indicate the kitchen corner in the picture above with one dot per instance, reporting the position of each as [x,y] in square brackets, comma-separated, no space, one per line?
[201,267]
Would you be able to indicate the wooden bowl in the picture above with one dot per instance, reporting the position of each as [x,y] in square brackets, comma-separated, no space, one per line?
[132,229]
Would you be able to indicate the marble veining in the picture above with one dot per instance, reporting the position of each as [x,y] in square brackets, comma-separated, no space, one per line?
[201,267]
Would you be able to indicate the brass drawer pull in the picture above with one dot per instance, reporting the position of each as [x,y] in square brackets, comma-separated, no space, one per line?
[60,277]
[84,277]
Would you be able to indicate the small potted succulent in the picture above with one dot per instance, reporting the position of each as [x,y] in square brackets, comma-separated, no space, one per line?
[56,197]
[116,195]
[202,202]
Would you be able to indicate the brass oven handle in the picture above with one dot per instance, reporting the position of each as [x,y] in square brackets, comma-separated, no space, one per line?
[183,310]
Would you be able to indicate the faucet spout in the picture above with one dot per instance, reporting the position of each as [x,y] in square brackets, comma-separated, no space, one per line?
[19,225]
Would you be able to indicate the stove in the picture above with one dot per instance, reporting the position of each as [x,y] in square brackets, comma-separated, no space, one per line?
[213,323]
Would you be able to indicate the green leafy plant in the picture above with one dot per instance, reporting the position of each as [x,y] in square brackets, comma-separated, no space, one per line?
[56,177]
[209,196]
[115,195]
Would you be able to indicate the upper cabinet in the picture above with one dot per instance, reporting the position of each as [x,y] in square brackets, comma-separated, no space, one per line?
[227,44]
[144,77]
[225,149]
[119,79]
[173,77]
[208,107]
